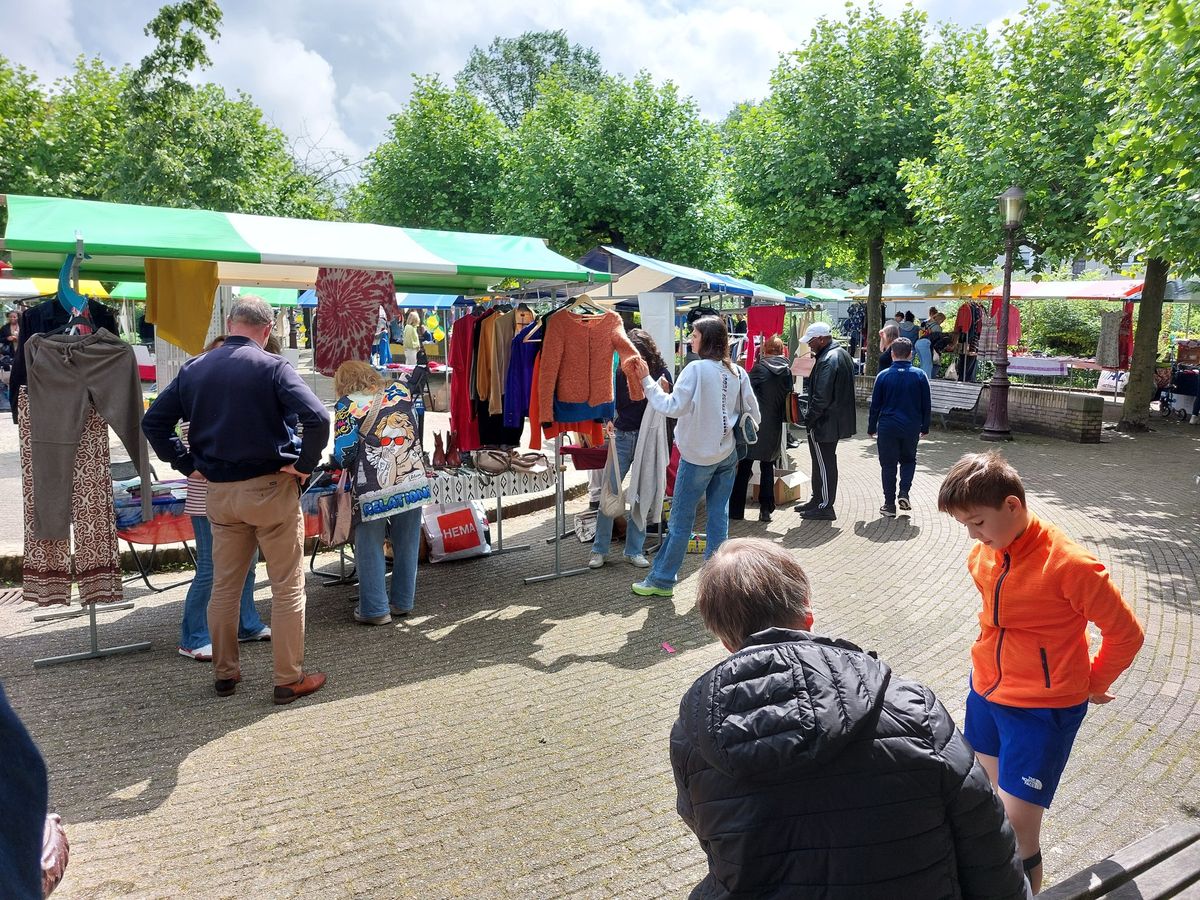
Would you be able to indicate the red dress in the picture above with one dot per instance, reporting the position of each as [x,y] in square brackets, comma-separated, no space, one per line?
[462,412]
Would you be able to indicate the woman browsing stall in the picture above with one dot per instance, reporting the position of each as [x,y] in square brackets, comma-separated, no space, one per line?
[376,440]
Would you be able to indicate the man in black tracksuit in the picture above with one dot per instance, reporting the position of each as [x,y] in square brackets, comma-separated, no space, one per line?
[900,410]
[808,769]
[831,417]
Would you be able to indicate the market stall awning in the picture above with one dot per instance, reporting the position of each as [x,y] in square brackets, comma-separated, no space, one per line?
[136,290]
[426,301]
[1070,290]
[638,274]
[20,288]
[826,295]
[120,237]
[907,293]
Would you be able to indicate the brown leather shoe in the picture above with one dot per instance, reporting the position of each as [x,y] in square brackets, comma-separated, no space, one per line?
[309,684]
[226,687]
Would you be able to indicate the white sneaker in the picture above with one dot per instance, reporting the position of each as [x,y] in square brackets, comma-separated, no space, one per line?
[1194,420]
[640,561]
[200,654]
[596,560]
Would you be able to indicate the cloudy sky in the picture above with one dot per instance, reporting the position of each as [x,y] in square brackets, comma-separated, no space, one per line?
[334,71]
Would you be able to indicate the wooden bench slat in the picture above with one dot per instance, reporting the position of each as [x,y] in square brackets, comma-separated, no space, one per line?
[1100,879]
[1163,880]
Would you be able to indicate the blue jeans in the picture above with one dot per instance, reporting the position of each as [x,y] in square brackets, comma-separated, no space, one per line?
[714,483]
[635,538]
[897,448]
[405,531]
[193,630]
[924,353]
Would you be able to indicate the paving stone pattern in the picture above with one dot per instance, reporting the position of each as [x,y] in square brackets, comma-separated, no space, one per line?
[511,740]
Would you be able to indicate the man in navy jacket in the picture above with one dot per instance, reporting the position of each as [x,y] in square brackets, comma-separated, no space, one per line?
[899,417]
[241,402]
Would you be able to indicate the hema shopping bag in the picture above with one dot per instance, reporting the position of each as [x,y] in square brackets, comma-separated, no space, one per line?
[455,531]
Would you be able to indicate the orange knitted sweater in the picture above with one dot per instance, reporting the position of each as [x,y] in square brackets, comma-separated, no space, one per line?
[577,352]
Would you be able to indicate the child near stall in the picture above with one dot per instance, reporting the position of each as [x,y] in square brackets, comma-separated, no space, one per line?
[1032,675]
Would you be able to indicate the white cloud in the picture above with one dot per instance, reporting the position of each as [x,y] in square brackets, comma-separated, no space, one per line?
[39,36]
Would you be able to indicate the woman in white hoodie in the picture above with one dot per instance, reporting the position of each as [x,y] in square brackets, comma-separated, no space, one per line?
[709,399]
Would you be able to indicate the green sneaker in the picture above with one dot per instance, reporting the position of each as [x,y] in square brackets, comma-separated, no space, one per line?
[642,589]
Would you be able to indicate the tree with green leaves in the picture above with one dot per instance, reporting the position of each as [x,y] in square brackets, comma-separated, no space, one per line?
[439,167]
[631,164]
[506,75]
[22,111]
[1025,110]
[818,160]
[1146,160]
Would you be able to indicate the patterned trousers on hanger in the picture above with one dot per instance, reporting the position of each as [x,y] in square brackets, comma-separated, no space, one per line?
[47,569]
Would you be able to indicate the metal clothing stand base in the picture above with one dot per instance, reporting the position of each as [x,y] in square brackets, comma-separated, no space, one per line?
[144,569]
[500,548]
[96,651]
[560,517]
[333,578]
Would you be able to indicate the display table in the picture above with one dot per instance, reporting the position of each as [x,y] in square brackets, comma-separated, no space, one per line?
[1046,366]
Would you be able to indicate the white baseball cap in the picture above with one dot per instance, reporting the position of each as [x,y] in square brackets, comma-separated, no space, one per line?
[816,330]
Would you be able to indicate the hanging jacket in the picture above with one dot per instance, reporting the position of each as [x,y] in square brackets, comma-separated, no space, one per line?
[831,413]
[807,770]
[1039,594]
[648,471]
[772,381]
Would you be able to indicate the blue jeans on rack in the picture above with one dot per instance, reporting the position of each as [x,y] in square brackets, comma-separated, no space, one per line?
[635,538]
[714,483]
[404,529]
[193,630]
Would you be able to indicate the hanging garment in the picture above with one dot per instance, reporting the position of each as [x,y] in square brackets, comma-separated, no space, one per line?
[577,360]
[46,567]
[348,302]
[67,376]
[648,472]
[761,322]
[1014,320]
[1125,341]
[46,317]
[458,357]
[593,432]
[989,339]
[179,300]
[519,380]
[1108,348]
[484,356]
[502,335]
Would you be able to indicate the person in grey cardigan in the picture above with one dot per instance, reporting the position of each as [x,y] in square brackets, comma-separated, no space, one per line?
[831,417]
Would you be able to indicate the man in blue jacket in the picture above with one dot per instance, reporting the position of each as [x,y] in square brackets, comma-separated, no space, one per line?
[241,402]
[898,419]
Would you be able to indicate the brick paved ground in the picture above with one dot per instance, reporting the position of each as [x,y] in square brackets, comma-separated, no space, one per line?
[510,741]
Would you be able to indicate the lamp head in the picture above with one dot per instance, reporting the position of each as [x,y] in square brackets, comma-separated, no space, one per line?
[1013,206]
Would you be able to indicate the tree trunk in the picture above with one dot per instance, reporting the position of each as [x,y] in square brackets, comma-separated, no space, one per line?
[1135,415]
[808,277]
[874,296]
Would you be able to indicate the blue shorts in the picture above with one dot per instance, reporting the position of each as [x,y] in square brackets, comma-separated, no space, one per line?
[1032,744]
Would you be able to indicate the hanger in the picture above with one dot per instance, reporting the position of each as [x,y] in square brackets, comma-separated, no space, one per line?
[584,302]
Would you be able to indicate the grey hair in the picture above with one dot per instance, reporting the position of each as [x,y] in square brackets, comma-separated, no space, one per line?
[750,585]
[251,310]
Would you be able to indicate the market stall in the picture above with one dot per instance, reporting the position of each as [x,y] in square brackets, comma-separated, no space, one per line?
[190,259]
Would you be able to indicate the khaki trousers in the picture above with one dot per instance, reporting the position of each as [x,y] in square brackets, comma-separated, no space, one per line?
[259,512]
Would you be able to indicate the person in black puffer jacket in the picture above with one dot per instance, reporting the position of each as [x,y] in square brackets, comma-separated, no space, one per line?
[808,770]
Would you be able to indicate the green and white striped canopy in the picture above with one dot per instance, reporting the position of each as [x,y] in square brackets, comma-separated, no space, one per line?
[266,250]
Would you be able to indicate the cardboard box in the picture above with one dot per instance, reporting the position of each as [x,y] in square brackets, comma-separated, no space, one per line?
[788,487]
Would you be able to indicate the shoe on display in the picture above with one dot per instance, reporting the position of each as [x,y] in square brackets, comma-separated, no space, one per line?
[820,515]
[439,451]
[596,560]
[309,684]
[639,560]
[385,619]
[903,502]
[200,654]
[888,510]
[642,589]
[262,635]
[453,457]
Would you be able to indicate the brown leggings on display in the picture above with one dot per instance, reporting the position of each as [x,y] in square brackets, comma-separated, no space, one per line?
[47,566]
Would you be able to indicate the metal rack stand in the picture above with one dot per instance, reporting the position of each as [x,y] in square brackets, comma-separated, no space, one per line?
[96,651]
[560,517]
[500,548]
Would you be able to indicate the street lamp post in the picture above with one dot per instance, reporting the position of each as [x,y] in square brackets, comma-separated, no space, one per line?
[1012,206]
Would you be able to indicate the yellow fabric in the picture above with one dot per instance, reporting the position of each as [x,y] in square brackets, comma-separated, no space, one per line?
[179,300]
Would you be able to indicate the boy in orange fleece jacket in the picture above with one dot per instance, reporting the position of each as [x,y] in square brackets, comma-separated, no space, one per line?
[1032,674]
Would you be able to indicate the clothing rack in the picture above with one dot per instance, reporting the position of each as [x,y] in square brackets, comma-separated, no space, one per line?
[94,651]
[500,549]
[560,517]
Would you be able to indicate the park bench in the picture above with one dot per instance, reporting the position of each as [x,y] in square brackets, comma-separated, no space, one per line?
[1165,863]
[947,396]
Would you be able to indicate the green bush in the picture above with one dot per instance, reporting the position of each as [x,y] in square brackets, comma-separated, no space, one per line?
[1062,327]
